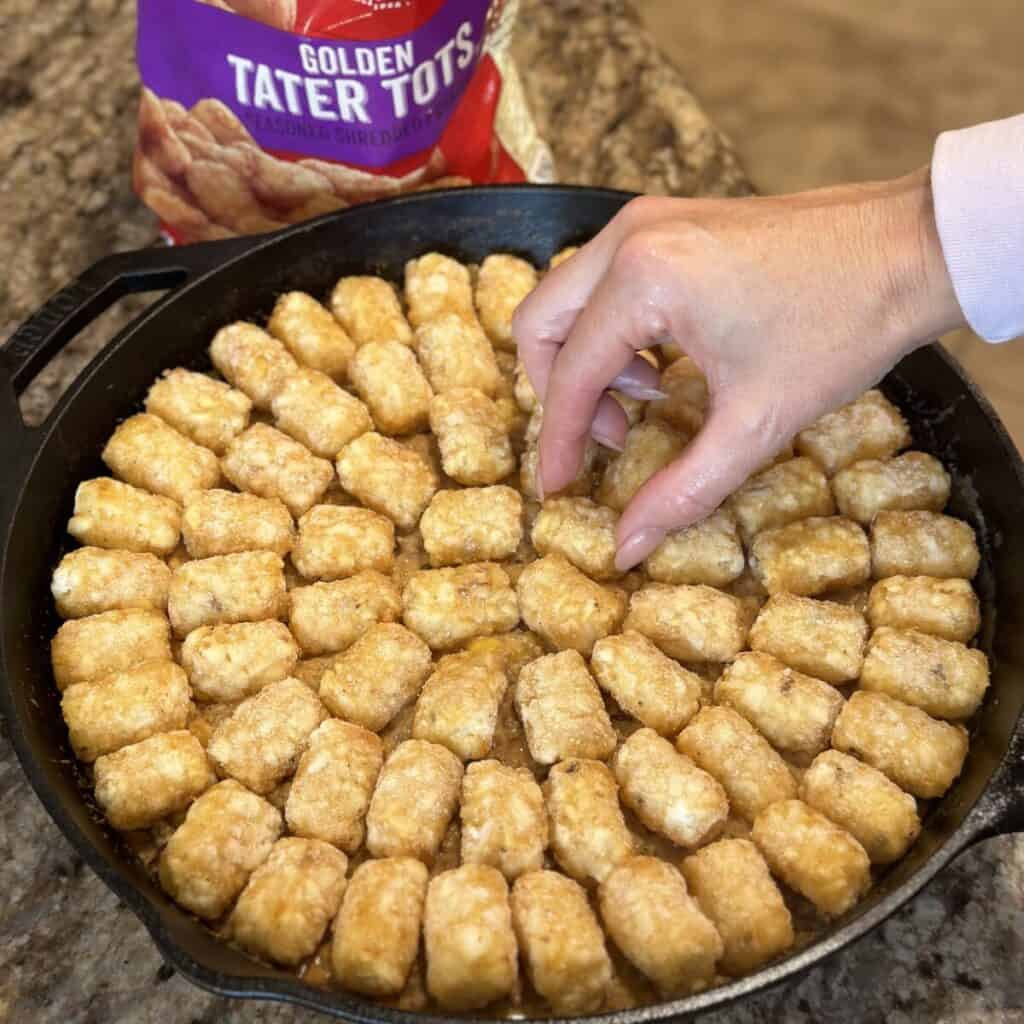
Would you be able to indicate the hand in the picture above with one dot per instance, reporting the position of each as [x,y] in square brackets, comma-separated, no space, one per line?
[791,306]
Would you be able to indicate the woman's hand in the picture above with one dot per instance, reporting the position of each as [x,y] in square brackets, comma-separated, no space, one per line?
[791,306]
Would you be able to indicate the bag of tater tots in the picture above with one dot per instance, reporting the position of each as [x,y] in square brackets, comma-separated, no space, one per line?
[260,113]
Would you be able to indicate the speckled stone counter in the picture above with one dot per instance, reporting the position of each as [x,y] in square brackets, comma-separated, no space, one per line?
[616,114]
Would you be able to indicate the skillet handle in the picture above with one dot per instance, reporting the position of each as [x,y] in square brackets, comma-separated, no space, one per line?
[1000,811]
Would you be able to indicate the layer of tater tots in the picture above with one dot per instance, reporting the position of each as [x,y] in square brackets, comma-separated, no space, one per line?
[144,782]
[730,749]
[389,379]
[811,556]
[658,926]
[273,465]
[146,452]
[455,353]
[732,885]
[437,284]
[312,334]
[948,608]
[922,544]
[692,623]
[369,309]
[645,683]
[649,446]
[919,753]
[911,481]
[792,490]
[377,930]
[218,522]
[329,617]
[112,514]
[416,796]
[245,587]
[560,942]
[581,531]
[472,436]
[686,391]
[205,410]
[377,676]
[561,709]
[337,541]
[252,361]
[472,525]
[468,937]
[227,833]
[91,580]
[387,477]
[311,408]
[109,713]
[290,899]
[502,283]
[708,552]
[330,793]
[565,607]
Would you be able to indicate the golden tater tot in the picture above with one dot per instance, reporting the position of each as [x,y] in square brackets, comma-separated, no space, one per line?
[330,617]
[792,490]
[389,379]
[472,525]
[580,487]
[111,514]
[502,284]
[312,335]
[911,481]
[473,439]
[368,308]
[650,446]
[708,552]
[310,407]
[252,361]
[562,255]
[922,544]
[811,556]
[89,581]
[207,411]
[339,541]
[436,284]
[217,522]
[455,353]
[580,531]
[686,401]
[942,607]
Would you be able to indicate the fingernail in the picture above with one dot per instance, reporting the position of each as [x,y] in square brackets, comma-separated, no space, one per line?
[606,440]
[641,394]
[637,546]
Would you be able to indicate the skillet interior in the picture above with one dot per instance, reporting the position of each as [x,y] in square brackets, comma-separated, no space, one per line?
[948,419]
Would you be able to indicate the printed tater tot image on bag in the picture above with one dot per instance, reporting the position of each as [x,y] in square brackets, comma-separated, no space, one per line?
[256,114]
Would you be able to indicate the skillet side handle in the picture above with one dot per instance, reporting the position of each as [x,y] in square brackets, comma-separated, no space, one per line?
[1000,811]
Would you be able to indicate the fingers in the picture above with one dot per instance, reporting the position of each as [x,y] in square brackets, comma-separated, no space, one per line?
[639,380]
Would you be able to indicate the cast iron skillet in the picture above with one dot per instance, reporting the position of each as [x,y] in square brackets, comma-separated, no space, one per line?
[213,284]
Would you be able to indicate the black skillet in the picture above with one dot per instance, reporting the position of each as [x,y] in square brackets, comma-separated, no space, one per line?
[211,285]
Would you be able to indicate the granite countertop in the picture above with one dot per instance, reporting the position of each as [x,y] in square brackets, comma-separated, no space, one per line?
[618,114]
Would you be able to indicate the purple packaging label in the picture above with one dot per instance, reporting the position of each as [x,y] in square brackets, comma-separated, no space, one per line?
[367,103]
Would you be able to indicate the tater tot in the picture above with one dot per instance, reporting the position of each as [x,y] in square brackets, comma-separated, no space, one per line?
[942,677]
[388,478]
[503,282]
[146,452]
[732,884]
[919,753]
[247,587]
[686,390]
[473,439]
[260,744]
[561,710]
[205,410]
[658,926]
[273,465]
[691,623]
[811,556]
[561,942]
[458,706]
[447,607]
[859,798]
[218,522]
[330,617]
[288,902]
[566,608]
[416,795]
[513,651]
[455,353]
[504,822]
[252,361]
[436,284]
[821,638]
[377,676]
[310,407]
[667,791]
[377,931]
[368,308]
[869,428]
[730,749]
[390,381]
[98,645]
[795,712]
[125,707]
[645,683]
[525,396]
[942,607]
[111,514]
[581,531]
[581,486]
[330,793]
[792,490]
[562,255]
[472,525]
[312,335]
[922,544]
[649,447]
[234,661]
[337,541]
[911,481]
[708,552]
[140,784]
[589,837]
[470,944]
[817,858]
[227,833]
[92,580]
